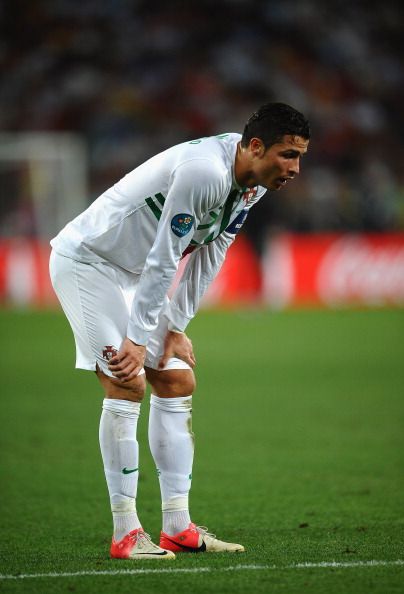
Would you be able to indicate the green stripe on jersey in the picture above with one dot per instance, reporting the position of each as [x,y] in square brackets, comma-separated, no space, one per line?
[153,207]
[160,198]
[227,210]
[214,216]
[228,207]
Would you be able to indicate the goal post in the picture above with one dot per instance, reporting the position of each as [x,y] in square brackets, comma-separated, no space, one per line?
[43,182]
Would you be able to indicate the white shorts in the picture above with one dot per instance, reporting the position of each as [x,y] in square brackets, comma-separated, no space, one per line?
[96,299]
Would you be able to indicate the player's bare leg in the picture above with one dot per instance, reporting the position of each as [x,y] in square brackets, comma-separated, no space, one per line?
[120,454]
[172,445]
[133,390]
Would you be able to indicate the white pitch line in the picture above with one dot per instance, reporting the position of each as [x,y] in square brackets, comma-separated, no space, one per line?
[319,565]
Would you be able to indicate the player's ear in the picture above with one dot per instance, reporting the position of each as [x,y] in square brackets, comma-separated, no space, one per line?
[257,147]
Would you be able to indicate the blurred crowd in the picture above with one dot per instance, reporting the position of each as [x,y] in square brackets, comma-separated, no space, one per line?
[134,77]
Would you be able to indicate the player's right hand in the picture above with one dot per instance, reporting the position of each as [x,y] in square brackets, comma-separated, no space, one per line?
[128,362]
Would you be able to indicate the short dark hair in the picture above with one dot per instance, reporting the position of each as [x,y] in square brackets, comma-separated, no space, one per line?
[272,121]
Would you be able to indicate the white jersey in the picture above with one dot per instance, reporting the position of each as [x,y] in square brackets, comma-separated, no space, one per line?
[183,199]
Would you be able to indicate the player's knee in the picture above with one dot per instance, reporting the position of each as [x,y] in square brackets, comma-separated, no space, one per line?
[133,390]
[172,383]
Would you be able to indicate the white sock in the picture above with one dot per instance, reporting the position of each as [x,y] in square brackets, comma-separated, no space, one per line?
[172,446]
[120,455]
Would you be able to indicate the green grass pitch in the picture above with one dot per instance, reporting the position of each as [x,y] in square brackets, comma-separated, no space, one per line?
[299,430]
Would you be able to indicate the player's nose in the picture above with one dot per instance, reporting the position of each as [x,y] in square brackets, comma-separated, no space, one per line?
[294,168]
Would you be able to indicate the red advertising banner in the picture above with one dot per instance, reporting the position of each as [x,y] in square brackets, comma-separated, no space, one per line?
[334,270]
[24,273]
[326,270]
[239,281]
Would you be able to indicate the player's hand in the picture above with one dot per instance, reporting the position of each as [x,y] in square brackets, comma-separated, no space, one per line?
[128,361]
[177,345]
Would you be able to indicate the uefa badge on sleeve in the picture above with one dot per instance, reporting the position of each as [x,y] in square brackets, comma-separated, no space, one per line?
[181,224]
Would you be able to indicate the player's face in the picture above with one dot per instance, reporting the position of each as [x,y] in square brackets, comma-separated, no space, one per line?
[275,166]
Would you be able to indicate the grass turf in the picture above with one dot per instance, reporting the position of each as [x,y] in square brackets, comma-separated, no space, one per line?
[299,455]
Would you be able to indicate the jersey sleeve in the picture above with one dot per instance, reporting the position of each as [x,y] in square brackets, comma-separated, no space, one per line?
[194,187]
[202,267]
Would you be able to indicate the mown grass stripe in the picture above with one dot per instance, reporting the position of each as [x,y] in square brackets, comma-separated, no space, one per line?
[171,570]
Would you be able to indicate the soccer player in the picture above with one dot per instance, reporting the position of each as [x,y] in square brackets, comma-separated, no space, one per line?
[112,267]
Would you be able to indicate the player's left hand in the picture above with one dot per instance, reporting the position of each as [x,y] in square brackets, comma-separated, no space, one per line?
[177,345]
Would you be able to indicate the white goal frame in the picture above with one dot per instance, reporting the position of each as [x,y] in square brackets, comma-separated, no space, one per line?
[56,167]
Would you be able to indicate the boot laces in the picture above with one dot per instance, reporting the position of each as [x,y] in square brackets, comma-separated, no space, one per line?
[137,535]
[204,531]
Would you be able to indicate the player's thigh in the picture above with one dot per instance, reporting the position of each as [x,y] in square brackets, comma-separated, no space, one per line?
[95,306]
[133,390]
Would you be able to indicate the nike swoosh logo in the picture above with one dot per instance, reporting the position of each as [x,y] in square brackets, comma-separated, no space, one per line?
[200,549]
[126,471]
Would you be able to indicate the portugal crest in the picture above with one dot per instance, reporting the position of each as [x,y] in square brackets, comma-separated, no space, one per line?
[249,194]
[108,352]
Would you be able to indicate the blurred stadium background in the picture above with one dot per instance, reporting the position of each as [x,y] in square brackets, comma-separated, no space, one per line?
[90,89]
